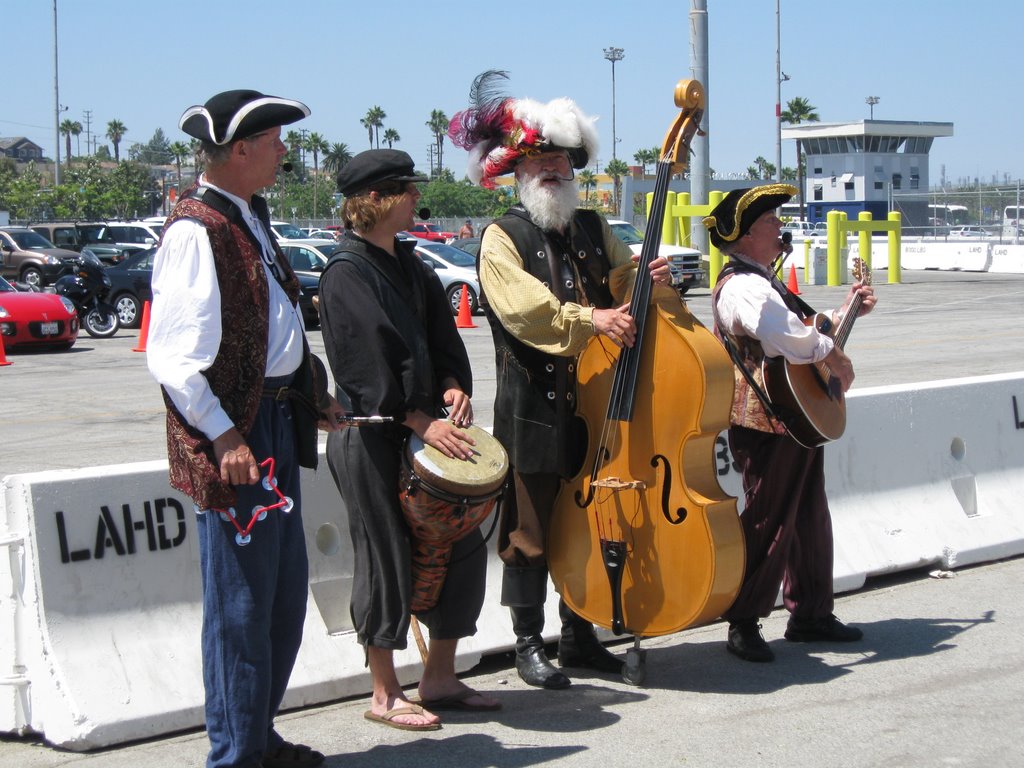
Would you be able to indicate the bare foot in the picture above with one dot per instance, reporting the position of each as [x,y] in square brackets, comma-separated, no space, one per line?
[397,702]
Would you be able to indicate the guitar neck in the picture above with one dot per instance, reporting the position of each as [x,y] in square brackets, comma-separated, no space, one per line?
[846,324]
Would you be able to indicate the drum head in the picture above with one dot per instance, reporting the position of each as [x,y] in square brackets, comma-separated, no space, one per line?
[477,476]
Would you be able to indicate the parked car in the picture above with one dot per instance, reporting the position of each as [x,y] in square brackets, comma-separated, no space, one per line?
[131,287]
[455,268]
[968,231]
[27,256]
[34,318]
[309,261]
[284,231]
[470,245]
[685,264]
[431,232]
[134,233]
[76,235]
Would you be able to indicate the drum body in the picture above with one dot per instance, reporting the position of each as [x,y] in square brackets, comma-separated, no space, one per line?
[443,500]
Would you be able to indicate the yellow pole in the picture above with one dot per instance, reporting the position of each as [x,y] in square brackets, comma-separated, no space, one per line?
[834,246]
[864,238]
[715,258]
[683,223]
[895,247]
[807,257]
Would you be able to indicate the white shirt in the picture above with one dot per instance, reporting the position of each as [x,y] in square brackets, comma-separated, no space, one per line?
[749,306]
[185,320]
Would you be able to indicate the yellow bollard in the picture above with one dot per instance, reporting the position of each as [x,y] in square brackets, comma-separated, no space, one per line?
[895,248]
[834,246]
[864,239]
[715,258]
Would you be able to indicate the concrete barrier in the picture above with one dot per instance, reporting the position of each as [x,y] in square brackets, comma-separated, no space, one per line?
[1007,258]
[100,592]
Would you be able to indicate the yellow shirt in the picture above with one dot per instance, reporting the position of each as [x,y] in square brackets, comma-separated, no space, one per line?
[530,311]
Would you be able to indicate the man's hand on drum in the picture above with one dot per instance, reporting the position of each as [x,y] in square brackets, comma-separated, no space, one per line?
[442,434]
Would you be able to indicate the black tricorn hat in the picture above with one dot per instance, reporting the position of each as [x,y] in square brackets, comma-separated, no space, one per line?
[732,218]
[234,115]
[376,166]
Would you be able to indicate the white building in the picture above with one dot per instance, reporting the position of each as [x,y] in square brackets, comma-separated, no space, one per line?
[862,166]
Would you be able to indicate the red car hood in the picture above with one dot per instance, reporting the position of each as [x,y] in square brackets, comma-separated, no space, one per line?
[42,306]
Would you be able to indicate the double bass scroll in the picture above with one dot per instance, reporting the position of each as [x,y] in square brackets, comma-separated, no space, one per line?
[643,540]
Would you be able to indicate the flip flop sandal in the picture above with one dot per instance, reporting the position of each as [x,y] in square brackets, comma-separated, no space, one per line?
[388,719]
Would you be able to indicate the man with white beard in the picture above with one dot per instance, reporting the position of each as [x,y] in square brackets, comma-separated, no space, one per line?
[552,276]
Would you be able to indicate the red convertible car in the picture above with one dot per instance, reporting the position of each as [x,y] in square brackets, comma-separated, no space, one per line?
[430,232]
[36,319]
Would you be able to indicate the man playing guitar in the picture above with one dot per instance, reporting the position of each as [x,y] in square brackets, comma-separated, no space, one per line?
[786,520]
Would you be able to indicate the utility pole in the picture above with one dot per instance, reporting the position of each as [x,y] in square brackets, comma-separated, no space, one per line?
[613,55]
[700,169]
[56,100]
[871,101]
[87,113]
[780,78]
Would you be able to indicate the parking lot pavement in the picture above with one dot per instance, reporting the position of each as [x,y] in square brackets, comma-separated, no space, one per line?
[96,404]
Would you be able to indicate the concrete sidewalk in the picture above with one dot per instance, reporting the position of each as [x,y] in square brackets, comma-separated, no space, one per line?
[937,681]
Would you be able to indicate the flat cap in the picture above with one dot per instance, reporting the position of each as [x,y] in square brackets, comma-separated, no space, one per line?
[376,166]
[234,115]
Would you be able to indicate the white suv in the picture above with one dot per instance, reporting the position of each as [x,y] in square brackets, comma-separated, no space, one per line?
[684,263]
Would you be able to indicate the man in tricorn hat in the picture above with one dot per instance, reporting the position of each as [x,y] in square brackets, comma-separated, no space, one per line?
[227,345]
[786,521]
[542,313]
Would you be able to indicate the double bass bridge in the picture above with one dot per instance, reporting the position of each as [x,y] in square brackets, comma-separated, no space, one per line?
[618,484]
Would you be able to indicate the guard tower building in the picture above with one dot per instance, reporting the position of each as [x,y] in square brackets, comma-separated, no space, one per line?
[870,165]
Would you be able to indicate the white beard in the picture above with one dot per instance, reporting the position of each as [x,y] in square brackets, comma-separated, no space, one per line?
[550,208]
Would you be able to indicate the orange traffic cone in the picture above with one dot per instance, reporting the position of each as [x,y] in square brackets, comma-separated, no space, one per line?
[793,287]
[3,355]
[465,319]
[144,330]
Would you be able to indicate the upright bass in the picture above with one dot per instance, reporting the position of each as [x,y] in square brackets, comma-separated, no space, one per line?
[643,540]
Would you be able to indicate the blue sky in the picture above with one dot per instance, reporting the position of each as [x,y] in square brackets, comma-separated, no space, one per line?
[143,63]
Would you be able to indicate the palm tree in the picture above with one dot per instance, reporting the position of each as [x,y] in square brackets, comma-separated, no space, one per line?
[645,156]
[337,157]
[115,132]
[70,128]
[391,136]
[316,144]
[373,122]
[617,169]
[179,151]
[195,147]
[799,110]
[367,123]
[438,125]
[762,168]
[588,181]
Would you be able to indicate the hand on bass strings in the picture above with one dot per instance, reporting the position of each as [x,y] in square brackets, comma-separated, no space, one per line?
[659,270]
[235,460]
[617,324]
[442,434]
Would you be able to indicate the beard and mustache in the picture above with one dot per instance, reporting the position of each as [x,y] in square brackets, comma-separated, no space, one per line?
[550,206]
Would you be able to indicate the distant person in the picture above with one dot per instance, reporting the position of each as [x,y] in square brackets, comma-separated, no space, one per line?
[466,231]
[226,344]
[542,313]
[786,520]
[395,352]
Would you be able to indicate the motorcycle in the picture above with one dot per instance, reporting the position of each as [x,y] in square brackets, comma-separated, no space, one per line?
[87,286]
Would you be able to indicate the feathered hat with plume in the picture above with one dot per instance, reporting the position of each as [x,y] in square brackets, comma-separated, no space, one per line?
[498,131]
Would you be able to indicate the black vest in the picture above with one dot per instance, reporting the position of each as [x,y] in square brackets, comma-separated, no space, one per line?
[535,403]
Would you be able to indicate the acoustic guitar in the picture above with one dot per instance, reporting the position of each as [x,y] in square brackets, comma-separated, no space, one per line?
[807,393]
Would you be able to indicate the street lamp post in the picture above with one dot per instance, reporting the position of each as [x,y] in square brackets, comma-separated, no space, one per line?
[780,78]
[56,100]
[871,101]
[613,55]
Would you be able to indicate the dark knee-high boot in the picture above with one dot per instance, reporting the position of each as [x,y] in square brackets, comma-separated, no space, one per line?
[579,647]
[523,590]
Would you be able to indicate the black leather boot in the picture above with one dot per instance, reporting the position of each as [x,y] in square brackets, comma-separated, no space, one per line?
[579,647]
[531,662]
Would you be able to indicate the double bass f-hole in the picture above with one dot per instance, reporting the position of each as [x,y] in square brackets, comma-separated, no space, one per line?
[666,492]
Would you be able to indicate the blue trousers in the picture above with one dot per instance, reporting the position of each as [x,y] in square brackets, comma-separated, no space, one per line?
[254,602]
